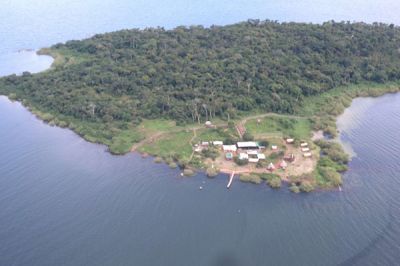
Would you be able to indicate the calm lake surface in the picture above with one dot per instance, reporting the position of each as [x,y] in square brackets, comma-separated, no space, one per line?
[64,201]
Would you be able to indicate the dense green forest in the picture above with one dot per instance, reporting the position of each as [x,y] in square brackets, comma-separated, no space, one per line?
[193,74]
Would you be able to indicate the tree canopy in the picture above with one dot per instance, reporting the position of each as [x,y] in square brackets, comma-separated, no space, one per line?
[193,74]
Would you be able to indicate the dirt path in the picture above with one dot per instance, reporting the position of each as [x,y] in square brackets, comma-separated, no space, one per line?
[191,142]
[147,140]
[156,136]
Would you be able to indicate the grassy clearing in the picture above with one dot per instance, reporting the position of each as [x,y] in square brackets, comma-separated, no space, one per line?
[158,125]
[275,126]
[175,145]
[326,107]
[64,57]
[122,143]
[211,134]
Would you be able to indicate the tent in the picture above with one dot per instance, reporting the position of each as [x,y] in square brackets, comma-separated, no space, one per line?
[271,167]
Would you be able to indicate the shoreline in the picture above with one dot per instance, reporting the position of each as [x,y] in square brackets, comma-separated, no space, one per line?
[316,135]
[167,141]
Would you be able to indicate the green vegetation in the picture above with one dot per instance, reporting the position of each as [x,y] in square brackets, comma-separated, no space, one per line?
[306,186]
[333,161]
[212,172]
[274,181]
[176,145]
[250,178]
[294,188]
[172,165]
[279,126]
[188,172]
[193,74]
[158,160]
[220,133]
[156,86]
[240,162]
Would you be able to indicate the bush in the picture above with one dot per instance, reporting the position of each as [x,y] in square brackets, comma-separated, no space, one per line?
[274,182]
[268,176]
[210,153]
[172,165]
[255,179]
[230,141]
[212,172]
[188,172]
[261,164]
[331,176]
[306,187]
[264,143]
[158,160]
[294,188]
[248,137]
[240,162]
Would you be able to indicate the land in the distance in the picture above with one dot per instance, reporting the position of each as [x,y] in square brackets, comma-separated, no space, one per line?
[153,90]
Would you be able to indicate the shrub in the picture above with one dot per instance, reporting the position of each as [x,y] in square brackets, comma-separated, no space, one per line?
[261,164]
[240,162]
[306,186]
[172,165]
[331,176]
[294,188]
[248,137]
[264,143]
[210,153]
[250,178]
[158,160]
[212,172]
[268,176]
[274,182]
[188,172]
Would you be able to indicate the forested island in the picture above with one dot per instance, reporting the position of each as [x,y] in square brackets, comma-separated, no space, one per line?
[152,90]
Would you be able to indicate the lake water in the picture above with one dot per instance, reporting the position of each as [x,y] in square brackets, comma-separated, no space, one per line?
[64,201]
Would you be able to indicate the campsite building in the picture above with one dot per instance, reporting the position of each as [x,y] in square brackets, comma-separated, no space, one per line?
[229,148]
[247,145]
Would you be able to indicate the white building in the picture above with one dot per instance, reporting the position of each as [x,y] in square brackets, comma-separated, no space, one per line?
[243,156]
[247,145]
[261,156]
[229,148]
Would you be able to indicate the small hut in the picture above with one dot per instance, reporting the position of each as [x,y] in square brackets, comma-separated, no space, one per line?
[305,149]
[307,154]
[261,156]
[271,167]
[283,164]
[229,148]
[290,157]
[289,141]
[229,156]
[304,144]
[274,147]
[208,124]
[243,156]
[205,143]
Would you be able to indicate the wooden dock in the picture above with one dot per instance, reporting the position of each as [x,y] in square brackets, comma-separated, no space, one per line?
[230,180]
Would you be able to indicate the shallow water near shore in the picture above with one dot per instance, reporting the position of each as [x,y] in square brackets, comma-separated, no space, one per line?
[23,60]
[64,201]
